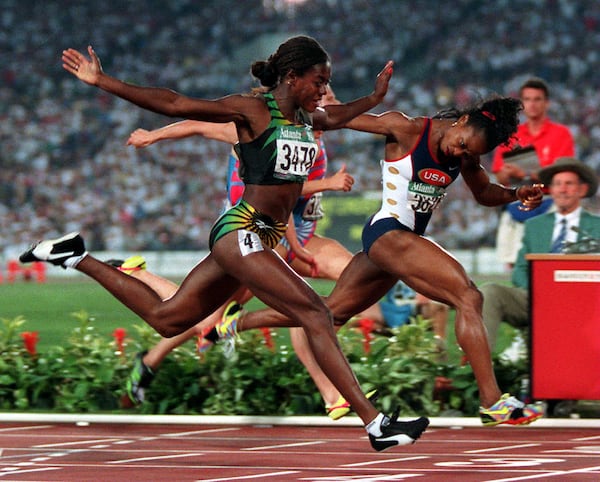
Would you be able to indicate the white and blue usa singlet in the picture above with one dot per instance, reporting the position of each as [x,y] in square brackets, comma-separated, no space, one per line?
[414,185]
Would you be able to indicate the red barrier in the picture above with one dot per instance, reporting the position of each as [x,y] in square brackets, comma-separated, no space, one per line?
[565,326]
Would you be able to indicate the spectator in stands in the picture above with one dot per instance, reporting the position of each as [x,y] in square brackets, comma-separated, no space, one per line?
[72,140]
[569,181]
[549,140]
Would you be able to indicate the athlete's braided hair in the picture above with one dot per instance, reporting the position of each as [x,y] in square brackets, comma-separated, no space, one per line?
[297,54]
[496,116]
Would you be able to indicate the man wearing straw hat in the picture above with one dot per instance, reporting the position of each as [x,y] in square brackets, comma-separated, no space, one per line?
[569,181]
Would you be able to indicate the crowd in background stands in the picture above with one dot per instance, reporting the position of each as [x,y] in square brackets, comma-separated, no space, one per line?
[65,165]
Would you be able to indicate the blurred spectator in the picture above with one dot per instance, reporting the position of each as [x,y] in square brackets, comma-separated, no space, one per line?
[64,161]
[541,141]
[548,139]
[569,181]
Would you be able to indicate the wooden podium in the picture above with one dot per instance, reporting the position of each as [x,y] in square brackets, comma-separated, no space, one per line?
[564,308]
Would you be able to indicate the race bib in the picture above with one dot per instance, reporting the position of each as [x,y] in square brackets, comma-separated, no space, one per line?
[249,242]
[296,153]
[313,210]
[424,198]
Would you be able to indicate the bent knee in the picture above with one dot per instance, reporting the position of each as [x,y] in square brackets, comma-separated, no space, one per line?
[168,331]
[339,322]
[341,313]
[339,316]
[471,297]
[319,327]
[311,312]
[167,328]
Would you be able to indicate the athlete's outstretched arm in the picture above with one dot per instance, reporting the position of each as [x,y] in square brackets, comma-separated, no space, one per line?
[182,129]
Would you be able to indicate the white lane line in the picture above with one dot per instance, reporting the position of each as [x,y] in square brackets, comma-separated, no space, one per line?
[199,432]
[70,452]
[159,457]
[79,442]
[385,461]
[575,450]
[583,439]
[33,427]
[247,477]
[365,478]
[498,449]
[560,473]
[19,472]
[283,446]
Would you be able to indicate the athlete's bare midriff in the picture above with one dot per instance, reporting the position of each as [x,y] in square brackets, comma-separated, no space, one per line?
[276,201]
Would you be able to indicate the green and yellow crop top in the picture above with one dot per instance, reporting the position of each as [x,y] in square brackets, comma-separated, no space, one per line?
[283,153]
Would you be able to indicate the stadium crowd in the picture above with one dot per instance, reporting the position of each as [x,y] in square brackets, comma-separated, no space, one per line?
[65,165]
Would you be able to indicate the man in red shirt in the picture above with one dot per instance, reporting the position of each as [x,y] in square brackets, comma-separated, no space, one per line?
[550,140]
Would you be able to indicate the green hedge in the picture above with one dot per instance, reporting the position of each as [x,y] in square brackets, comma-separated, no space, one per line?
[88,374]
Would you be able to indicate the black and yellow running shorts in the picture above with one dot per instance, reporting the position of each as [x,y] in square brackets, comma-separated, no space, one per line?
[244,216]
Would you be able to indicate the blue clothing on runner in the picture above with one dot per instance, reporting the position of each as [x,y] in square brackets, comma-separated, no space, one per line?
[413,187]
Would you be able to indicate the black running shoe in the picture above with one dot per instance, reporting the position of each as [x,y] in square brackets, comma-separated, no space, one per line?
[398,433]
[55,251]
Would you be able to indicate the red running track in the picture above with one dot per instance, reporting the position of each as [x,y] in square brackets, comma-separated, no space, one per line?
[132,452]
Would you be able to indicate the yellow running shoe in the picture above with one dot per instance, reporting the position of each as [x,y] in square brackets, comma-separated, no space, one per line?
[342,407]
[226,328]
[133,263]
[510,411]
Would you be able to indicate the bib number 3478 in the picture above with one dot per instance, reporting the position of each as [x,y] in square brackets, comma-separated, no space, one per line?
[294,158]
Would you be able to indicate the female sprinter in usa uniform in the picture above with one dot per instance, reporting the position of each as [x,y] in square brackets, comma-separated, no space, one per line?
[423,157]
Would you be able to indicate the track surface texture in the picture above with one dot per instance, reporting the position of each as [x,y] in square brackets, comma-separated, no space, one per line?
[90,451]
